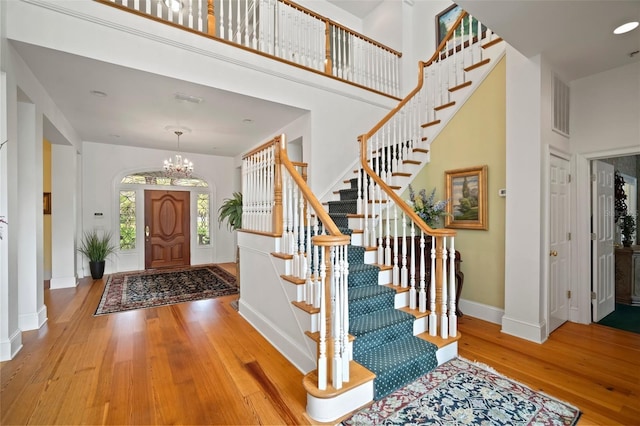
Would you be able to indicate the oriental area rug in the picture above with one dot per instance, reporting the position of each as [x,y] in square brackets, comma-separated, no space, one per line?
[146,289]
[460,392]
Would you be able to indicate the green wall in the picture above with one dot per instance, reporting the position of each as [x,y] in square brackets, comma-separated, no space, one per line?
[476,136]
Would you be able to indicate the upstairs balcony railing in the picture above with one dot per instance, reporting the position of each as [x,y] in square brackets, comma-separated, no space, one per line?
[284,30]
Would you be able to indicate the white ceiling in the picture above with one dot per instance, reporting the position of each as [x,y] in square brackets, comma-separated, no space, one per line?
[141,109]
[575,36]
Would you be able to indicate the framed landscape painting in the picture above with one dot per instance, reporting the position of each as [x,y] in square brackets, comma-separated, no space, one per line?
[466,190]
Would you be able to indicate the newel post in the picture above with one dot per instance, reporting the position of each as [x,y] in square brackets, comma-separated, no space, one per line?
[276,218]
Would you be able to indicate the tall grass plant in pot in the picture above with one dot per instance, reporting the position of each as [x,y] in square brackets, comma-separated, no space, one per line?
[96,248]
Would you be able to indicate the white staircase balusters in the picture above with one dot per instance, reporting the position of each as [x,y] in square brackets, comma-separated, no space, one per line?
[412,279]
[310,292]
[453,321]
[336,310]
[346,352]
[316,269]
[444,323]
[404,280]
[422,299]
[387,249]
[433,319]
[302,268]
[322,340]
[296,237]
[395,273]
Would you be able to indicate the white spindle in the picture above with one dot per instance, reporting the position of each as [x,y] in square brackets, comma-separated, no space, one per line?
[387,249]
[296,257]
[396,270]
[404,281]
[346,353]
[336,302]
[303,260]
[422,305]
[316,270]
[322,339]
[310,290]
[444,323]
[453,321]
[412,281]
[433,318]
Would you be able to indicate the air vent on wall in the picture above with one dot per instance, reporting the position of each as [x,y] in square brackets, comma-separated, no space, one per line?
[560,106]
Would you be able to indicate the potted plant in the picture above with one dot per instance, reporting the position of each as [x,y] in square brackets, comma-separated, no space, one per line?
[231,212]
[627,228]
[96,248]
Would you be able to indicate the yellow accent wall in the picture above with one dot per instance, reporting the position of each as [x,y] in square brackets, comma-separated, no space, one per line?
[46,187]
[476,136]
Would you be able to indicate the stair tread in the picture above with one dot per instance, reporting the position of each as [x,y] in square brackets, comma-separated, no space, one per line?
[378,320]
[387,357]
[359,293]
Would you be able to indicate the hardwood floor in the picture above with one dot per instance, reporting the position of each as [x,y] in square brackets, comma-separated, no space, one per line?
[202,363]
[592,367]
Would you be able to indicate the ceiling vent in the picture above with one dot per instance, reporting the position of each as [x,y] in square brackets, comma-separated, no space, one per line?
[560,106]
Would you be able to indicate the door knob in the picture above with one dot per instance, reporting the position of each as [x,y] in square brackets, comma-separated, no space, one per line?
[553,253]
[146,230]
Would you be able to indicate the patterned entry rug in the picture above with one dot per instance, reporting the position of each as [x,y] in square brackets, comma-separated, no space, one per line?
[145,289]
[460,392]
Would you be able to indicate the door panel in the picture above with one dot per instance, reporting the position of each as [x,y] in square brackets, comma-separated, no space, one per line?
[602,263]
[559,246]
[167,229]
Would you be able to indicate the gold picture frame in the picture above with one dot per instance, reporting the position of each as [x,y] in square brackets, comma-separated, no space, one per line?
[466,190]
[46,202]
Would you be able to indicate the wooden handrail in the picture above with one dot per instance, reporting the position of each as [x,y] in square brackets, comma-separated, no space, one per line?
[396,198]
[365,137]
[324,217]
[336,24]
[421,67]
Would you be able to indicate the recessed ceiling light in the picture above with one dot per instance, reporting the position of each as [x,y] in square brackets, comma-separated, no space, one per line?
[98,93]
[625,28]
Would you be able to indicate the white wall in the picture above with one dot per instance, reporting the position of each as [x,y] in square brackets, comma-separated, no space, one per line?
[608,127]
[104,166]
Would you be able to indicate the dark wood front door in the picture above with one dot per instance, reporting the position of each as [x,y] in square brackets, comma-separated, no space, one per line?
[166,229]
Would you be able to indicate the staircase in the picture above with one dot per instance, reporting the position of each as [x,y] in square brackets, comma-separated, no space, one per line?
[356,315]
[384,339]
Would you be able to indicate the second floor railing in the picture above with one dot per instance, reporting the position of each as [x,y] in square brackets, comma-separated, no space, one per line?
[285,30]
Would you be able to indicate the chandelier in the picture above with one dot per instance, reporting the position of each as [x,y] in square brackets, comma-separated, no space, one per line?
[180,167]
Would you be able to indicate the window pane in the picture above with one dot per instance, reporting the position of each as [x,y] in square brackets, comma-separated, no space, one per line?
[127,220]
[159,178]
[203,219]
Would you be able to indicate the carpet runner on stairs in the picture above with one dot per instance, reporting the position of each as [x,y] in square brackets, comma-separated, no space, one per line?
[384,341]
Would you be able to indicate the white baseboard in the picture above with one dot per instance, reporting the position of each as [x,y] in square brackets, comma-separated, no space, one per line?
[534,332]
[481,311]
[33,320]
[275,336]
[63,282]
[9,348]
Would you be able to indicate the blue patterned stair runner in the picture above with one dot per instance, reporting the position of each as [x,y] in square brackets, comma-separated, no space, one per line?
[384,341]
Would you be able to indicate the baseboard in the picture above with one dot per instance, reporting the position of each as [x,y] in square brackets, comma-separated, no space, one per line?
[63,282]
[33,320]
[9,348]
[481,311]
[275,336]
[534,332]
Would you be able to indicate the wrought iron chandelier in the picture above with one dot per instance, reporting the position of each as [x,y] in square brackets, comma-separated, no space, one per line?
[181,167]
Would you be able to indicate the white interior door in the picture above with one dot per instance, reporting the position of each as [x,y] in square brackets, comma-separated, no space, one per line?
[602,262]
[559,247]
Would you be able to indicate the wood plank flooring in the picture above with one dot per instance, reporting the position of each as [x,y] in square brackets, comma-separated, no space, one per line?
[202,363]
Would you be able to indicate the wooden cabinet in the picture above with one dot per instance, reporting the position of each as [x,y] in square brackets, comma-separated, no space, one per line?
[628,275]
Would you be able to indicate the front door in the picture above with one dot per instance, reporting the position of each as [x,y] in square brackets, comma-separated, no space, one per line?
[559,246]
[602,263]
[167,229]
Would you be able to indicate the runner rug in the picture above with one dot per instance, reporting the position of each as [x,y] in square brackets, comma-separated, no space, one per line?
[460,392]
[146,289]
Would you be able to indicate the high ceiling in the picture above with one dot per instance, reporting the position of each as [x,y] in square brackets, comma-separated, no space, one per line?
[141,109]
